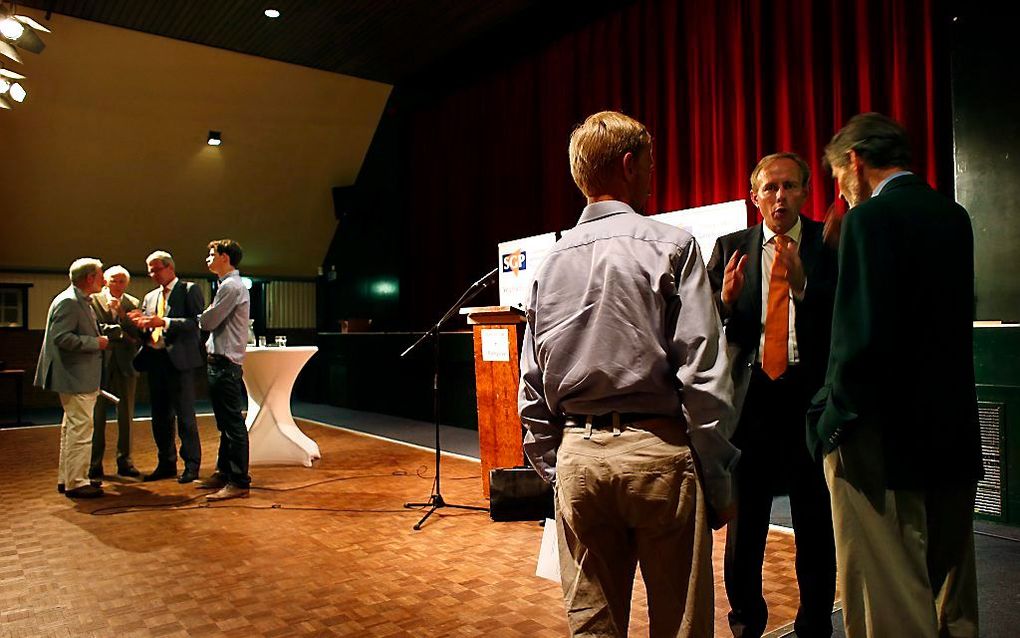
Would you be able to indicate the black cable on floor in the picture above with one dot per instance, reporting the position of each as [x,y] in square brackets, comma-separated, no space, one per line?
[113,510]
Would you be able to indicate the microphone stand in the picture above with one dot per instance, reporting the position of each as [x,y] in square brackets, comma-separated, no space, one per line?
[436,500]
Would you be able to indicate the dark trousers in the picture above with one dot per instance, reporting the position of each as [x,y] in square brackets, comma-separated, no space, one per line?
[122,386]
[226,390]
[775,460]
[172,394]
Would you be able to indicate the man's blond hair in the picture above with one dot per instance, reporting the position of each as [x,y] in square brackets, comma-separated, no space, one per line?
[805,172]
[598,144]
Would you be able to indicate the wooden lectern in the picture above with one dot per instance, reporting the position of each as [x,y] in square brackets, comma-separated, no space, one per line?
[497,376]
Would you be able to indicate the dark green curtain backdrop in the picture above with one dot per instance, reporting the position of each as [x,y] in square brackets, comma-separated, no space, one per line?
[719,82]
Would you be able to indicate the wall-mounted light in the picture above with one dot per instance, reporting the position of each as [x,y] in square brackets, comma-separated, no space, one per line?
[272,13]
[214,138]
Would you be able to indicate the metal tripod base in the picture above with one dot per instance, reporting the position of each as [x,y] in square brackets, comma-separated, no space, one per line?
[435,502]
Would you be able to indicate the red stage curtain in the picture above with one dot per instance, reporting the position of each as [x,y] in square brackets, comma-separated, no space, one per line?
[720,83]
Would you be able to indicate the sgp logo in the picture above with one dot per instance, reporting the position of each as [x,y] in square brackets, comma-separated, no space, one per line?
[515,262]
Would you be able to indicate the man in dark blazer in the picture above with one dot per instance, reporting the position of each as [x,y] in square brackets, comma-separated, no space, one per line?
[773,284]
[120,378]
[171,353]
[897,418]
[71,364]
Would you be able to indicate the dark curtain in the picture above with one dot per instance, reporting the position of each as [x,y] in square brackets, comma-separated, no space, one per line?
[720,83]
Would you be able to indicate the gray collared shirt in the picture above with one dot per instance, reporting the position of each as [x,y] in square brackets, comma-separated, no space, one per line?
[621,318]
[227,319]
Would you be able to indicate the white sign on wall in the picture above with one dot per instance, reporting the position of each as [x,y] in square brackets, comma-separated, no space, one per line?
[518,261]
[708,223]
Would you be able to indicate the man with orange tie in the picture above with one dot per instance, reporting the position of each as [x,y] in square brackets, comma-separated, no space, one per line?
[171,354]
[774,285]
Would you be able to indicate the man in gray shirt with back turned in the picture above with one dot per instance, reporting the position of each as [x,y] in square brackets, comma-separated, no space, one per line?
[227,319]
[627,398]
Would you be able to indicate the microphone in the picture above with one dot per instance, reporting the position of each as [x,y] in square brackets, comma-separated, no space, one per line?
[486,278]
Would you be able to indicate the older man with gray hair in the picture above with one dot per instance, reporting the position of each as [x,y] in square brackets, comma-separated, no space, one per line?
[120,378]
[172,352]
[70,363]
[897,422]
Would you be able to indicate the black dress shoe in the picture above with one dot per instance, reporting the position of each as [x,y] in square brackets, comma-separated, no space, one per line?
[61,488]
[128,470]
[189,476]
[85,491]
[214,482]
[161,473]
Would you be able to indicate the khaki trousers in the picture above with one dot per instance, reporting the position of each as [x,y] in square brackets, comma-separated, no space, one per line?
[630,497]
[76,439]
[905,558]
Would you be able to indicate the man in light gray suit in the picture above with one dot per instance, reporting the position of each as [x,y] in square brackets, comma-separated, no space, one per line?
[119,375]
[71,364]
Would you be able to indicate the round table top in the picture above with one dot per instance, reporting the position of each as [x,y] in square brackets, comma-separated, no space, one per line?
[282,349]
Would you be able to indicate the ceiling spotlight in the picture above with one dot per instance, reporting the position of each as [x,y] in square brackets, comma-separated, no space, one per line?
[214,138]
[11,28]
[4,85]
[32,23]
[272,13]
[18,93]
[19,31]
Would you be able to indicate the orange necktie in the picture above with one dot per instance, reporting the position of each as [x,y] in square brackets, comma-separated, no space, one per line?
[777,315]
[157,333]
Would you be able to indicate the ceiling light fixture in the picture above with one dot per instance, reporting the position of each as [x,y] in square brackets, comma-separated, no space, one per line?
[10,75]
[214,138]
[19,31]
[272,13]
[11,28]
[18,93]
[16,32]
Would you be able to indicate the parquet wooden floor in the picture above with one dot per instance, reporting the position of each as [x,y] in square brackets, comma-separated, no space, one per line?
[327,550]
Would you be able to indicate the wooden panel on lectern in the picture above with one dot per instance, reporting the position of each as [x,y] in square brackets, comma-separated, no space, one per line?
[496,381]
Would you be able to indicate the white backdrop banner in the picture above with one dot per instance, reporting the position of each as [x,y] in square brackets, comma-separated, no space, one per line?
[708,223]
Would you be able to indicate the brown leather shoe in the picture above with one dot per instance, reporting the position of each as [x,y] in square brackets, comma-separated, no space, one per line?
[214,482]
[230,491]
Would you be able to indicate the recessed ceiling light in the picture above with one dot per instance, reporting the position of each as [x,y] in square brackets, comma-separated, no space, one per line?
[272,13]
[214,138]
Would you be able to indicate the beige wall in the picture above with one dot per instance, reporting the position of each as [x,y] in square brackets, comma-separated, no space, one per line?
[46,286]
[107,156]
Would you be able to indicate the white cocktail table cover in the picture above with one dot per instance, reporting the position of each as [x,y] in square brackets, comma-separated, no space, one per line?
[273,437]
